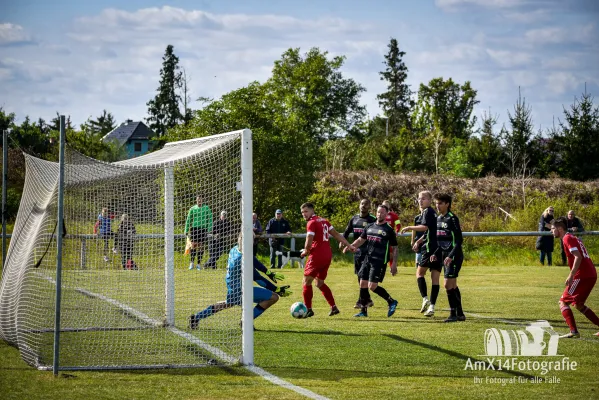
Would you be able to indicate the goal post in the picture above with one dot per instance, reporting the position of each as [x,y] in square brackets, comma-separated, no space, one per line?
[128,283]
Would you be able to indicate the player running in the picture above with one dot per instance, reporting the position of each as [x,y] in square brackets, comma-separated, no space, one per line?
[449,239]
[264,296]
[318,248]
[356,225]
[580,281]
[428,249]
[381,242]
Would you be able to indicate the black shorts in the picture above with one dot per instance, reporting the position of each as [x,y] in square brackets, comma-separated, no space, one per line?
[426,262]
[358,261]
[198,235]
[454,268]
[372,270]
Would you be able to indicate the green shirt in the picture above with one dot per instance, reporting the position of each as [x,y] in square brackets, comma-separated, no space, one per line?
[199,217]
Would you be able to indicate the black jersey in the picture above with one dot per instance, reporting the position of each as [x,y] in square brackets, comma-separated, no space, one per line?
[356,225]
[378,240]
[429,219]
[449,234]
[418,221]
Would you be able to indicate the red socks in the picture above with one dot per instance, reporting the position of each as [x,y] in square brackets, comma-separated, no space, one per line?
[569,317]
[590,315]
[328,295]
[307,293]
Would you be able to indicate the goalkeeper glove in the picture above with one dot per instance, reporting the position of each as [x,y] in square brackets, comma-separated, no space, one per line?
[283,291]
[274,276]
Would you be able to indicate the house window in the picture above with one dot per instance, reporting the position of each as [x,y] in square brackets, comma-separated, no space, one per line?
[137,146]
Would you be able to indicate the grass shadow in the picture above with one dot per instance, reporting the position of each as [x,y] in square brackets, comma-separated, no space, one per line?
[455,354]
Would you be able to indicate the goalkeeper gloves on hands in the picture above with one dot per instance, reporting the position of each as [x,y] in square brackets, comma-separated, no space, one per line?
[274,276]
[283,291]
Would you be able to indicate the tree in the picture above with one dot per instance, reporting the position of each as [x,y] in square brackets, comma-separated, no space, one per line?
[103,124]
[164,110]
[396,102]
[517,141]
[578,140]
[442,117]
[185,97]
[484,152]
[313,96]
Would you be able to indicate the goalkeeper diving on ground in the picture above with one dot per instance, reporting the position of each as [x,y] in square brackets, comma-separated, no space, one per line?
[264,296]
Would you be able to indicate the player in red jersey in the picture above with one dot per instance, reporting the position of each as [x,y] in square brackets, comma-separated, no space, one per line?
[318,248]
[580,281]
[392,218]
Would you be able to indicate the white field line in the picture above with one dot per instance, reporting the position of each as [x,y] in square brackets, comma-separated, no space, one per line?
[217,352]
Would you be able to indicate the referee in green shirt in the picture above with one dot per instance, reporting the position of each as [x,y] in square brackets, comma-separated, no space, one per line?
[197,226]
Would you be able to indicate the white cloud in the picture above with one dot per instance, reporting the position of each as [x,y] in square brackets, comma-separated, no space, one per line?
[561,82]
[12,34]
[450,5]
[555,35]
[511,59]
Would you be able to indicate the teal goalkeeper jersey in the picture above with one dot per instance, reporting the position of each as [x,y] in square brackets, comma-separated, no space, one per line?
[199,217]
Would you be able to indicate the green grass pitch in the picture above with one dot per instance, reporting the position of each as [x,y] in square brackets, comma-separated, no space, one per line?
[405,356]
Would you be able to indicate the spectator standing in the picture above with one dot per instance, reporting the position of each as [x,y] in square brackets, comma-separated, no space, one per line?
[222,231]
[545,243]
[278,224]
[124,241]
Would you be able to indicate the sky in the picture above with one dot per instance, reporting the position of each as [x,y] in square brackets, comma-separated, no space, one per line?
[81,57]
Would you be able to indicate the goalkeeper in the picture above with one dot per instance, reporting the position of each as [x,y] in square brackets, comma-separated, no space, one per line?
[264,296]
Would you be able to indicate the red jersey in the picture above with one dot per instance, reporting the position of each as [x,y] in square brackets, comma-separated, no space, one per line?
[319,229]
[393,220]
[587,268]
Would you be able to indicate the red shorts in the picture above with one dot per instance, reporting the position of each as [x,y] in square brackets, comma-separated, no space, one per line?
[317,267]
[578,291]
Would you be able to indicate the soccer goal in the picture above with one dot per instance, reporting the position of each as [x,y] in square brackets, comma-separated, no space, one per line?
[127,289]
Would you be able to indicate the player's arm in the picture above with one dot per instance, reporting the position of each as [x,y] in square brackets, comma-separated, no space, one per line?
[362,239]
[341,239]
[188,221]
[349,229]
[394,255]
[309,239]
[457,237]
[575,266]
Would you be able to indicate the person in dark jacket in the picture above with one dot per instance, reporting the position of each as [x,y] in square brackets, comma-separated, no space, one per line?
[124,241]
[278,224]
[222,236]
[574,225]
[545,243]
[257,227]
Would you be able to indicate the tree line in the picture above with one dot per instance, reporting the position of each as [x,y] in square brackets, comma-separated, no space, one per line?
[307,117]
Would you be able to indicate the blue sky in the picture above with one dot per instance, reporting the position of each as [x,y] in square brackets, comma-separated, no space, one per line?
[80,57]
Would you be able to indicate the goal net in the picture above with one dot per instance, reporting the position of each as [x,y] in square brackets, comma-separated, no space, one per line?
[128,286]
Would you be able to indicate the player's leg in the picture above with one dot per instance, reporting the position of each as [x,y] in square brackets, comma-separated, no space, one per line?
[376,276]
[450,285]
[265,298]
[321,275]
[420,273]
[435,268]
[363,274]
[358,261]
[568,297]
[212,309]
[581,293]
[454,296]
[307,293]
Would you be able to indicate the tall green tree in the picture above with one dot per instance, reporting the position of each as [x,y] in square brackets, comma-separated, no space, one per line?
[313,96]
[103,124]
[163,110]
[442,116]
[396,102]
[484,151]
[518,139]
[578,140]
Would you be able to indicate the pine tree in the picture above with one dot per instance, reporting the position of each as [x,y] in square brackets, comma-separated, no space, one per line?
[517,141]
[578,140]
[396,101]
[103,124]
[164,110]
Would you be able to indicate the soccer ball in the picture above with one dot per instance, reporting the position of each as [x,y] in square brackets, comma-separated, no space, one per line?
[298,310]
